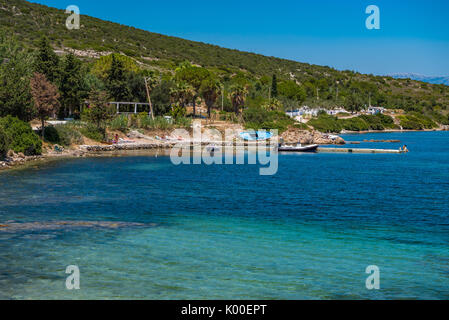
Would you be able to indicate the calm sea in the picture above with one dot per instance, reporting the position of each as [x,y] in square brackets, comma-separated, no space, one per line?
[225,232]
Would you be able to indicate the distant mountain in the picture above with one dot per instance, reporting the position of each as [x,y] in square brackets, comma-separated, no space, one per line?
[419,77]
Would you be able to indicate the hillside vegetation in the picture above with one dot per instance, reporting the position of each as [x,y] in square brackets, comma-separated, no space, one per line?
[30,21]
[106,61]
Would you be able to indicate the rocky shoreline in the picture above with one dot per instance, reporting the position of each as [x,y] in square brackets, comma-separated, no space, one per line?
[14,160]
[293,135]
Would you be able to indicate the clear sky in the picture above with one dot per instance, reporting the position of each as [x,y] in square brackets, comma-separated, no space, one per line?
[413,35]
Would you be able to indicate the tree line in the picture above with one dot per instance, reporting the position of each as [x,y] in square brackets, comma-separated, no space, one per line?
[71,85]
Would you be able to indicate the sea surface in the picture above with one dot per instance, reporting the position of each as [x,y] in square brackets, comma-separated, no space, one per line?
[142,228]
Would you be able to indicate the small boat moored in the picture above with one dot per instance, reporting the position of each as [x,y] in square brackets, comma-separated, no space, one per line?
[256,135]
[298,148]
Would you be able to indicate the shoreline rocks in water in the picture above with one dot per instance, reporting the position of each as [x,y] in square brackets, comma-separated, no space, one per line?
[124,147]
[12,227]
[294,135]
[14,159]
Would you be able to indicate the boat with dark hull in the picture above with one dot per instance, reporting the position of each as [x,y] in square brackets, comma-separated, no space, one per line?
[298,148]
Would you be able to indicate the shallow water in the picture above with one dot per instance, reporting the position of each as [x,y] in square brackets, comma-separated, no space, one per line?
[224,232]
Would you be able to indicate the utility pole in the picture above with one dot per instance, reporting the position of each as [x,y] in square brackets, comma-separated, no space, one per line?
[222,98]
[149,97]
[317,94]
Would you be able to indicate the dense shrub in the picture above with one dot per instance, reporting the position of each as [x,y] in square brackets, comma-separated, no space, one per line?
[301,126]
[410,123]
[158,123]
[387,121]
[373,122]
[426,121]
[355,124]
[415,121]
[120,123]
[4,143]
[178,111]
[440,118]
[183,122]
[21,136]
[51,135]
[326,123]
[228,116]
[91,131]
[259,118]
[65,135]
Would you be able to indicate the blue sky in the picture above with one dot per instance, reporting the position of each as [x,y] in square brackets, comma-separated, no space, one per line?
[414,35]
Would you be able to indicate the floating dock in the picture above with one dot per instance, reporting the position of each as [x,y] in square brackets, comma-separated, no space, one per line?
[357,150]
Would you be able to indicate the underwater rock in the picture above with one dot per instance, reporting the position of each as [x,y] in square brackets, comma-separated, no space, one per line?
[65,225]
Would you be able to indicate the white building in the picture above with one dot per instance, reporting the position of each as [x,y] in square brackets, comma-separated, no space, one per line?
[305,110]
[313,112]
[336,111]
[375,110]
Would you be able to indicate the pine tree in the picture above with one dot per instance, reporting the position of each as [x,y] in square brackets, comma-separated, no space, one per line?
[100,111]
[71,85]
[47,62]
[274,87]
[116,81]
[15,73]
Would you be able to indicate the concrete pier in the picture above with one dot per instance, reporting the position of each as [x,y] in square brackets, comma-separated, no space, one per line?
[168,145]
[357,150]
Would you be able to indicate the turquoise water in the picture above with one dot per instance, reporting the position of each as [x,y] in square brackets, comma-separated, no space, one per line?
[224,232]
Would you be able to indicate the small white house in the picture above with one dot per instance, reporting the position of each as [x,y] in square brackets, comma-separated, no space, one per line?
[336,111]
[375,110]
[310,111]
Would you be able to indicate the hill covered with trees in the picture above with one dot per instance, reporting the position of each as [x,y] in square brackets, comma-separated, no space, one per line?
[109,60]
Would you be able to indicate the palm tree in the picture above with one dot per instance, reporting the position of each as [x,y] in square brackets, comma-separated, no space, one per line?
[182,93]
[238,96]
[194,76]
[273,105]
[210,90]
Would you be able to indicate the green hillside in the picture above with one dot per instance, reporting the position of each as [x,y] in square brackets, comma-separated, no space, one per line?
[314,85]
[29,21]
